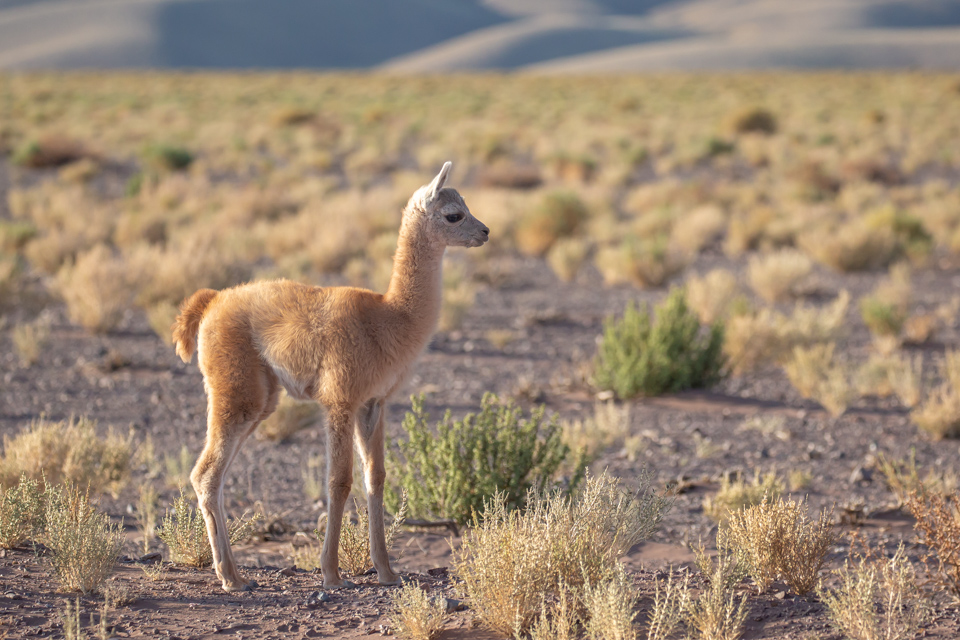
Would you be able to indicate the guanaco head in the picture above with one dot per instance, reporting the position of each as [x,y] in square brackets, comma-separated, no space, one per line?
[444,216]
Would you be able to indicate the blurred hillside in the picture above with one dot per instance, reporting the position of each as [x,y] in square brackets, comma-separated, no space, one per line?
[432,35]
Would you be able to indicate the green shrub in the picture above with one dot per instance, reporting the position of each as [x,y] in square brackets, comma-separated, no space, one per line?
[882,318]
[640,356]
[450,473]
[169,157]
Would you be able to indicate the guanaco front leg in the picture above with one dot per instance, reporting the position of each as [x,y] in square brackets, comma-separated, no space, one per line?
[339,481]
[370,441]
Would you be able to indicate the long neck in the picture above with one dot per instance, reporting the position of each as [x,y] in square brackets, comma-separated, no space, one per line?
[416,285]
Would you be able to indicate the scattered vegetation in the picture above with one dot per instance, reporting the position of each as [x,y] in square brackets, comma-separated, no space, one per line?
[290,417]
[185,533]
[22,512]
[640,356]
[29,340]
[713,296]
[354,541]
[815,373]
[68,450]
[439,467]
[939,414]
[777,276]
[938,523]
[511,560]
[85,544]
[417,615]
[778,540]
[559,215]
[878,599]
[735,494]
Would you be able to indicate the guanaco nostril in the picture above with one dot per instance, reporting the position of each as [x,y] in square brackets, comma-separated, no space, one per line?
[485,231]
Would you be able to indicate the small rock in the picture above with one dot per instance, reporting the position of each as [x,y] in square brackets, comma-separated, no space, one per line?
[126,559]
[151,558]
[780,595]
[437,571]
[860,474]
[453,605]
[316,598]
[287,571]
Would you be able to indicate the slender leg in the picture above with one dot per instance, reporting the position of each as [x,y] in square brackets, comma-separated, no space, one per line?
[223,442]
[339,481]
[370,441]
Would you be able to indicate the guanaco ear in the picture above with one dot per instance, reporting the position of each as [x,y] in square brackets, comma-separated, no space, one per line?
[437,184]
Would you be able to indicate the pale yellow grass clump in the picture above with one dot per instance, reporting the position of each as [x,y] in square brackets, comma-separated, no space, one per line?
[778,540]
[85,544]
[777,276]
[609,424]
[459,294]
[894,374]
[29,339]
[854,246]
[566,256]
[816,374]
[610,607]
[417,615]
[738,494]
[903,478]
[878,599]
[670,606]
[692,232]
[185,533]
[68,450]
[642,262]
[512,560]
[354,541]
[939,414]
[97,288]
[713,295]
[767,335]
[290,417]
[717,614]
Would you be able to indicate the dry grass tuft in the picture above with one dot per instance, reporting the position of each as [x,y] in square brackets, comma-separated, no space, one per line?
[766,335]
[559,215]
[938,523]
[903,478]
[185,533]
[895,374]
[609,425]
[97,288]
[355,539]
[777,276]
[85,544]
[417,615]
[512,560]
[643,262]
[459,294]
[21,512]
[566,257]
[738,494]
[69,450]
[610,607]
[562,620]
[939,415]
[670,605]
[716,614]
[854,246]
[712,296]
[290,417]
[878,600]
[754,120]
[29,340]
[779,541]
[815,373]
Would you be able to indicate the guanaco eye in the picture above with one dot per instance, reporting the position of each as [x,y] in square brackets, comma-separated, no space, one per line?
[454,217]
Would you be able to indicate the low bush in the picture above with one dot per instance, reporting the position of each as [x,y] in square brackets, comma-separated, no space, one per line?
[778,540]
[816,374]
[185,533]
[566,257]
[512,560]
[764,336]
[903,479]
[29,340]
[417,615]
[878,599]
[610,607]
[451,471]
[717,614]
[68,450]
[895,374]
[167,157]
[640,356]
[939,414]
[21,512]
[738,494]
[938,523]
[670,606]
[609,424]
[641,261]
[712,296]
[354,549]
[776,276]
[51,151]
[854,246]
[85,544]
[290,417]
[558,215]
[754,120]
[97,288]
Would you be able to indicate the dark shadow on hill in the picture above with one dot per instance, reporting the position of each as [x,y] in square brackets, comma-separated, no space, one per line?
[307,33]
[913,15]
[560,43]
